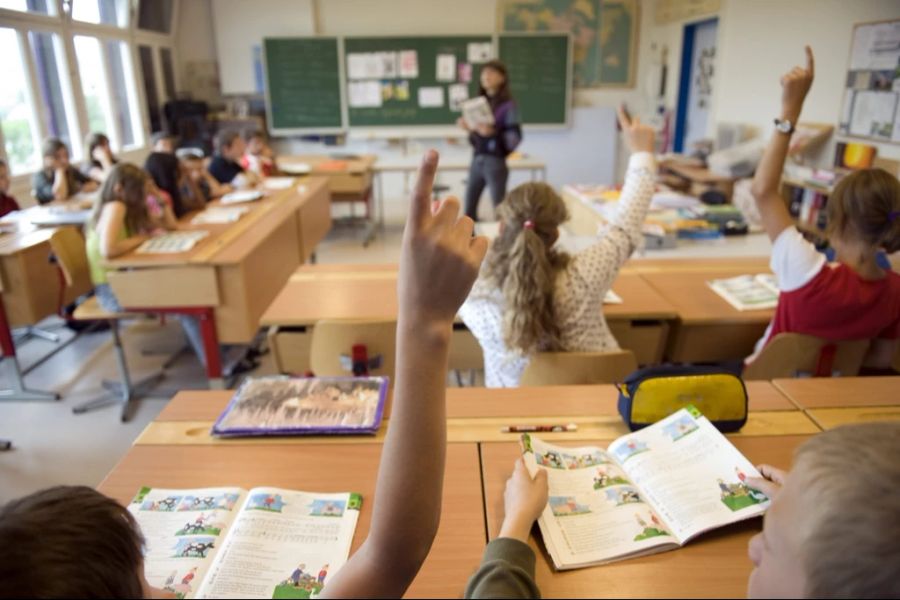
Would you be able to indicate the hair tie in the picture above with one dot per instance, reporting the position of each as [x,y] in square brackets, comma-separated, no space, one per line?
[529,224]
[893,215]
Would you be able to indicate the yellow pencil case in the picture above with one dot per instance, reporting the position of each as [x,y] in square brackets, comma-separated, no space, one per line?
[651,394]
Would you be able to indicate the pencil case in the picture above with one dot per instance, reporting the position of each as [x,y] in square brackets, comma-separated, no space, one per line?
[651,394]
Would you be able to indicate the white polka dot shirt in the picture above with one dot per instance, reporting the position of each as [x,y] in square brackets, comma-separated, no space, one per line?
[580,288]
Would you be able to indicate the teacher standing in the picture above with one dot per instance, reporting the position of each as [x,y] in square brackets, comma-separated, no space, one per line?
[492,143]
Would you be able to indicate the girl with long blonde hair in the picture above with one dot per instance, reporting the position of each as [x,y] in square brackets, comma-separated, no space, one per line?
[531,297]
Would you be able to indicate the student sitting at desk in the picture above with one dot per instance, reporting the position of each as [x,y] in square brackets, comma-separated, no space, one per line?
[258,157]
[45,537]
[225,165]
[531,298]
[853,298]
[99,159]
[166,171]
[207,186]
[8,204]
[58,180]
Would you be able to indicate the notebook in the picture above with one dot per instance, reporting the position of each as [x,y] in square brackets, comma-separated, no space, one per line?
[278,183]
[748,292]
[647,492]
[234,543]
[282,405]
[172,242]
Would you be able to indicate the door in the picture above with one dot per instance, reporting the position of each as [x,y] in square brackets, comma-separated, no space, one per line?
[698,56]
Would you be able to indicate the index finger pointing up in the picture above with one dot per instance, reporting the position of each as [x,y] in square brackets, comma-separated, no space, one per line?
[420,202]
[810,61]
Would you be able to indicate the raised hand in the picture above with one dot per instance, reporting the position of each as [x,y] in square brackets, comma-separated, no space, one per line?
[795,85]
[639,137]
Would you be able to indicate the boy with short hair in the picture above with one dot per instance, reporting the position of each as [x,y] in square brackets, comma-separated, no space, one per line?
[258,157]
[226,166]
[8,204]
[58,180]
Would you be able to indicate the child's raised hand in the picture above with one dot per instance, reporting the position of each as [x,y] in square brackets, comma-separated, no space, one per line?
[524,500]
[439,259]
[795,85]
[771,481]
[639,137]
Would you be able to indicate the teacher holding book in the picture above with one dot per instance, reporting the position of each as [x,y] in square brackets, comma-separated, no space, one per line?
[493,139]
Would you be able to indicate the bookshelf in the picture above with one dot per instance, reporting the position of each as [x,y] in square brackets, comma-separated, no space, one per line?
[807,202]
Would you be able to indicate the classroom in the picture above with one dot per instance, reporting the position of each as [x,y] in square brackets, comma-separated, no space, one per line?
[483,298]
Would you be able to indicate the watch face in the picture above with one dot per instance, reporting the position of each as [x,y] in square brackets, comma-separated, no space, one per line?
[783,126]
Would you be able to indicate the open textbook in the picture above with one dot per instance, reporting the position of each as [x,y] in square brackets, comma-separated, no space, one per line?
[233,543]
[748,292]
[648,492]
[476,111]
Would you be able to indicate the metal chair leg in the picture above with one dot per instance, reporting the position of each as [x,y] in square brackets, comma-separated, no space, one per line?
[18,391]
[26,333]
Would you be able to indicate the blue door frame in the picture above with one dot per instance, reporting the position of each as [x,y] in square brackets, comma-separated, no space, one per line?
[684,81]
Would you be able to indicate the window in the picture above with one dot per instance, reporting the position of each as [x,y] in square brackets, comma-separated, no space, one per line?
[41,7]
[165,57]
[94,86]
[105,12]
[55,94]
[21,135]
[155,15]
[126,114]
[146,54]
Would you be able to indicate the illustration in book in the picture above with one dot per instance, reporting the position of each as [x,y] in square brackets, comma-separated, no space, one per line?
[567,506]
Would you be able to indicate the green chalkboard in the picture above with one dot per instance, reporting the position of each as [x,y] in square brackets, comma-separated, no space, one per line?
[303,85]
[404,108]
[540,69]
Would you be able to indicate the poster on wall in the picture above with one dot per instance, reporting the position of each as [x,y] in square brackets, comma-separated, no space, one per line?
[872,89]
[604,34]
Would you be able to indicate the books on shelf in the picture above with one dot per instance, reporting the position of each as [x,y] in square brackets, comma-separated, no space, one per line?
[282,405]
[647,492]
[234,543]
[748,292]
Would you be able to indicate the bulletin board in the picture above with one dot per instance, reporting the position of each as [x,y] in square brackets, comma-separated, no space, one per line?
[871,103]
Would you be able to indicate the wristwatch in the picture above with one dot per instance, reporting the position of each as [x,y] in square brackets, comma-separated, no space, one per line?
[784,126]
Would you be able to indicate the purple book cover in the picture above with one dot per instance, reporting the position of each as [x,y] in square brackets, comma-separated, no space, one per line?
[282,405]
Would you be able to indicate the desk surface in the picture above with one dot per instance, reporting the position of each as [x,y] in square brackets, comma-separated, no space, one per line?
[695,301]
[841,392]
[360,163]
[226,243]
[314,294]
[411,163]
[332,468]
[714,565]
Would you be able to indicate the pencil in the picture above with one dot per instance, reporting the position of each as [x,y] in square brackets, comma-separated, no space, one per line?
[538,428]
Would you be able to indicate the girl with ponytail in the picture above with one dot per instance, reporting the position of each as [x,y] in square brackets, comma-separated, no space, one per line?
[532,298]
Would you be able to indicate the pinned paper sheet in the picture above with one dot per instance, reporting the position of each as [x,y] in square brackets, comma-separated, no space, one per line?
[388,63]
[480,52]
[445,69]
[387,90]
[431,97]
[365,94]
[458,93]
[873,114]
[401,91]
[356,66]
[464,72]
[409,64]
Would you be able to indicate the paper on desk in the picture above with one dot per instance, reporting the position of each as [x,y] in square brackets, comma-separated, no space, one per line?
[365,94]
[612,298]
[241,196]
[297,168]
[479,52]
[172,243]
[409,64]
[445,70]
[219,215]
[431,97]
[278,183]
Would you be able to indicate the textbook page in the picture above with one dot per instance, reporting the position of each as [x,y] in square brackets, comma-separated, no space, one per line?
[690,474]
[595,514]
[283,544]
[183,530]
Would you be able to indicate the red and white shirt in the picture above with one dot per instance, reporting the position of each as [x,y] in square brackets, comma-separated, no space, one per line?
[829,300]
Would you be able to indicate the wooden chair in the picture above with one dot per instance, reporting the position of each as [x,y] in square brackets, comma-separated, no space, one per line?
[796,355]
[68,246]
[334,339]
[578,368]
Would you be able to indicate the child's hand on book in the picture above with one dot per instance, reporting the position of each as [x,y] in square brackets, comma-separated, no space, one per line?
[794,86]
[771,481]
[440,258]
[524,501]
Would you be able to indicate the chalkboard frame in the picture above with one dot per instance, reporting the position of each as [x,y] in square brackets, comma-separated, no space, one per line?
[288,131]
[569,74]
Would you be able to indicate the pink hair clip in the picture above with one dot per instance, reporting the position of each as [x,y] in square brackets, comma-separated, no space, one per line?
[529,224]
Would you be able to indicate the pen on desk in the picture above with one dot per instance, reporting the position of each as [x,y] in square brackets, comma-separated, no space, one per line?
[534,428]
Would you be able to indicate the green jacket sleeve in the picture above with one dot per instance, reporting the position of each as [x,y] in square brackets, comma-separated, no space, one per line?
[506,571]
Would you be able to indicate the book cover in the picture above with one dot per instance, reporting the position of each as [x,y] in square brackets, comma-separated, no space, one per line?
[282,405]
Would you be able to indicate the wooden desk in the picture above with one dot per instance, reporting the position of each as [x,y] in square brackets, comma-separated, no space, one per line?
[715,565]
[747,264]
[235,271]
[327,468]
[477,415]
[708,328]
[353,178]
[640,323]
[834,401]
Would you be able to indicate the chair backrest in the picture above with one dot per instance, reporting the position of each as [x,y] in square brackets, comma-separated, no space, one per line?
[332,339]
[794,355]
[68,246]
[578,368]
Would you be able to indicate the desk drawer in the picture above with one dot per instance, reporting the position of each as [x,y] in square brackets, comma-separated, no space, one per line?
[166,288]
